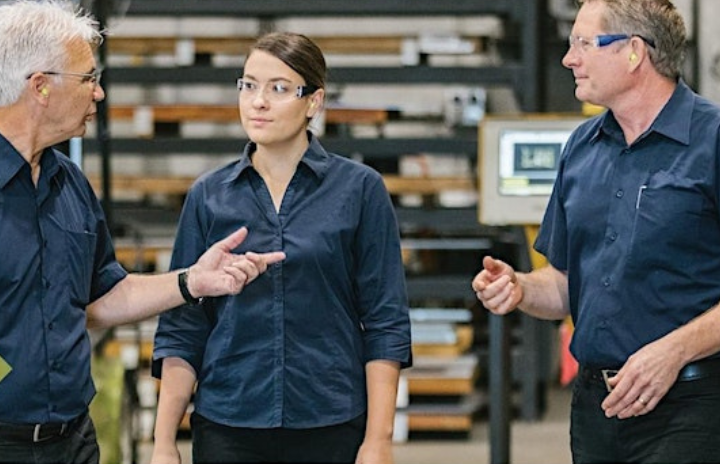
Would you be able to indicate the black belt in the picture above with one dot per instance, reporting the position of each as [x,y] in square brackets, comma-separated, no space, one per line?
[36,433]
[693,371]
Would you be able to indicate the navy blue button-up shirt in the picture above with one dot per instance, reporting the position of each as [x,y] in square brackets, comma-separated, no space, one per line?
[55,257]
[290,350]
[637,228]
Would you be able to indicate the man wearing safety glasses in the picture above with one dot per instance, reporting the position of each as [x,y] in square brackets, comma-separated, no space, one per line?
[632,236]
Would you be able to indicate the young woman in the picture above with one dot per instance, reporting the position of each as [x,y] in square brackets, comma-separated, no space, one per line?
[302,366]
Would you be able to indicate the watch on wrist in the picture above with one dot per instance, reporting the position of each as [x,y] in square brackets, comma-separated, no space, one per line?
[183,284]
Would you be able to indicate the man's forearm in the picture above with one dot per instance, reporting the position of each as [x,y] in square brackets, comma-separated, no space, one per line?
[545,293]
[135,298]
[698,338]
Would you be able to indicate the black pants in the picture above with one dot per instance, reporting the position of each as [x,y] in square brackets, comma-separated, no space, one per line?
[683,428]
[78,446]
[214,443]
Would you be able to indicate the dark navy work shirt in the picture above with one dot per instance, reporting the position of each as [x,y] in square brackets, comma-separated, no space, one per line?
[55,257]
[637,228]
[290,350]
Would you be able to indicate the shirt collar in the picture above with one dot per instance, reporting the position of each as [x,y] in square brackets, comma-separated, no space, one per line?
[675,118]
[11,161]
[315,157]
[673,121]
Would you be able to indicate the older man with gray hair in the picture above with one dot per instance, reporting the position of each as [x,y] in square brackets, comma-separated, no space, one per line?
[58,271]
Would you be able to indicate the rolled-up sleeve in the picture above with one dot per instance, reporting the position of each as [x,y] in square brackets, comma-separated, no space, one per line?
[183,331]
[381,279]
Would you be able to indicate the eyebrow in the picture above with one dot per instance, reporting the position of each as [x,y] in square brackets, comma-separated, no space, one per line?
[274,79]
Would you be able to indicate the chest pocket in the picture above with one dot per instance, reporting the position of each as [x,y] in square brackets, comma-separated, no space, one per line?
[79,264]
[670,216]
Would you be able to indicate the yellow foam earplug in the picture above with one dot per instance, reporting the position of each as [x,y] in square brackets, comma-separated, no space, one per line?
[633,57]
[44,91]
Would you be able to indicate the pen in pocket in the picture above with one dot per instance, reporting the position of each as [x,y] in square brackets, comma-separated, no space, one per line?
[639,196]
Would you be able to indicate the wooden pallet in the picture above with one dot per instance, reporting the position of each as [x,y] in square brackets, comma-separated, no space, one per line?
[229,114]
[441,377]
[147,118]
[444,418]
[143,255]
[179,185]
[350,45]
[464,341]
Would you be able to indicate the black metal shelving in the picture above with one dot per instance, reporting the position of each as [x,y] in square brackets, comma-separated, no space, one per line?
[388,148]
[283,8]
[508,73]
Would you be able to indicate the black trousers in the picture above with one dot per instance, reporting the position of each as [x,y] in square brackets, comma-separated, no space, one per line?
[683,428]
[78,446]
[214,443]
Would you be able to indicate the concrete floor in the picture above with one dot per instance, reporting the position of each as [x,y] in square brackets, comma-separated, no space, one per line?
[542,442]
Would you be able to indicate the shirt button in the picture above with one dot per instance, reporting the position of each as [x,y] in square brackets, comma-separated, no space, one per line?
[51,326]
[613,236]
[606,282]
[619,193]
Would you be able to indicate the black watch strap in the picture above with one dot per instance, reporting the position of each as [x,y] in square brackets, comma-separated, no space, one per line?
[183,284]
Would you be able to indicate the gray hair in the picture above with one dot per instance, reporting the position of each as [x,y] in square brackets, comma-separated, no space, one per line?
[657,20]
[33,37]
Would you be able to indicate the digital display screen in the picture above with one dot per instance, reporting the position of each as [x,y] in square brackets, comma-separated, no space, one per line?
[518,163]
[529,160]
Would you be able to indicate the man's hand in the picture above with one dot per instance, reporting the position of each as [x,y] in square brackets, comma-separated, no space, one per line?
[220,272]
[643,381]
[496,286]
